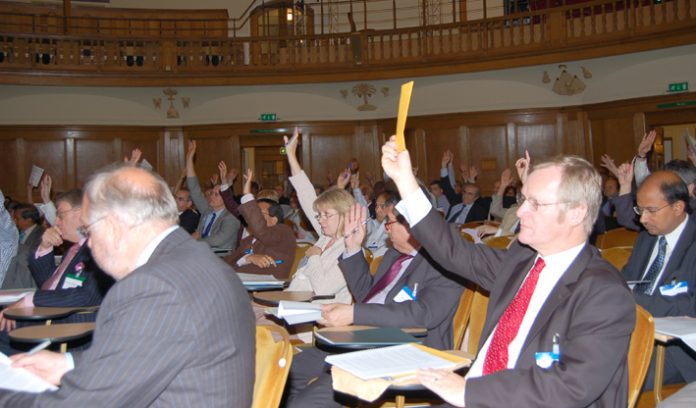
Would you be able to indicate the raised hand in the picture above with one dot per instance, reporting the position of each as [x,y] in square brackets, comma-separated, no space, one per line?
[522,165]
[354,228]
[505,178]
[343,179]
[191,151]
[397,165]
[608,163]
[248,178]
[291,144]
[214,179]
[45,188]
[447,156]
[134,157]
[646,144]
[464,172]
[625,176]
[473,173]
[355,181]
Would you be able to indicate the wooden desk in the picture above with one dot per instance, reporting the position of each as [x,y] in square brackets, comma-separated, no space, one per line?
[45,313]
[273,298]
[57,333]
[661,342]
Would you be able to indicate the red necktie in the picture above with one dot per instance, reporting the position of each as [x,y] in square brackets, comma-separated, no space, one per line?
[509,323]
[52,282]
[388,278]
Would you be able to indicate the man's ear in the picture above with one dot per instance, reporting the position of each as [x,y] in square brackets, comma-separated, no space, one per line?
[576,215]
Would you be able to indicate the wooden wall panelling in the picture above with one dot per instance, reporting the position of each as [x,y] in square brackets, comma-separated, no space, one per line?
[330,154]
[368,150]
[437,141]
[539,139]
[615,137]
[214,143]
[92,154]
[173,154]
[487,146]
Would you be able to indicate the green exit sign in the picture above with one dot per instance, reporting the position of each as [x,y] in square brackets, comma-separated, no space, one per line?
[678,87]
[268,117]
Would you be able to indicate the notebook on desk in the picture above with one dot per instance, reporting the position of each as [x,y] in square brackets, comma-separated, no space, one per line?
[379,336]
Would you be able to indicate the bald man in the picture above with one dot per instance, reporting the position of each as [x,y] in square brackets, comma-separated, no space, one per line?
[664,262]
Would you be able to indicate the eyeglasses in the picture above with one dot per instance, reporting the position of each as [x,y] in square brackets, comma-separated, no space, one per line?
[649,210]
[61,214]
[388,224]
[212,193]
[84,229]
[324,216]
[534,204]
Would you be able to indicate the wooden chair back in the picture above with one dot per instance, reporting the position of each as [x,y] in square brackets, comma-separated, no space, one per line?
[273,359]
[499,242]
[639,353]
[374,265]
[300,250]
[461,316]
[616,238]
[617,256]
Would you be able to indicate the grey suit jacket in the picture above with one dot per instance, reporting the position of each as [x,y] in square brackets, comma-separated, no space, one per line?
[436,301]
[225,229]
[176,332]
[18,273]
[590,308]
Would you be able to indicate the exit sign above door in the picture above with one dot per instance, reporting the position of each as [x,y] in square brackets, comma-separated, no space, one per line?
[678,87]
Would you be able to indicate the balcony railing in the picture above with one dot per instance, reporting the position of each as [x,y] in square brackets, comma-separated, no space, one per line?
[82,57]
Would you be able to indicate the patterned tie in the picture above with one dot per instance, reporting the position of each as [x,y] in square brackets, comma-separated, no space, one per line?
[509,323]
[52,282]
[654,270]
[209,226]
[388,277]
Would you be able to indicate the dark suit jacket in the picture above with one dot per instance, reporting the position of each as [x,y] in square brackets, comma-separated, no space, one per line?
[590,308]
[91,292]
[176,332]
[436,301]
[18,273]
[277,242]
[188,220]
[478,212]
[681,267]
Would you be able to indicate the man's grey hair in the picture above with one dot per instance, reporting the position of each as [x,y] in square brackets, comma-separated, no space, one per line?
[112,191]
[581,183]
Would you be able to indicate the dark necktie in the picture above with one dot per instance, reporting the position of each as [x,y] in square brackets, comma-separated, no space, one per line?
[209,226]
[654,270]
[388,277]
[509,324]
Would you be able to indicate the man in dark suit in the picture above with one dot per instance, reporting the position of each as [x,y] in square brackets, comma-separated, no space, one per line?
[473,207]
[188,217]
[145,351]
[665,255]
[408,290]
[270,246]
[28,221]
[550,292]
[76,282]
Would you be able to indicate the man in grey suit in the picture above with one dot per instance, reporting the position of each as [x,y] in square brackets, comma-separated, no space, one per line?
[550,293]
[217,227]
[28,221]
[145,350]
[665,255]
[408,290]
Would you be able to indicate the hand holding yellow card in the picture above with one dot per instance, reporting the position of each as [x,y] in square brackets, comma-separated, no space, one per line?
[404,101]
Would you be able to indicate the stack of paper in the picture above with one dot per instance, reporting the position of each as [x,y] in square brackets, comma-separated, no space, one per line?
[19,379]
[296,312]
[260,282]
[682,327]
[389,362]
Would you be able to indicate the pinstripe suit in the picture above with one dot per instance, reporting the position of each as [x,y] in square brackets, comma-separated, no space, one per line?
[176,332]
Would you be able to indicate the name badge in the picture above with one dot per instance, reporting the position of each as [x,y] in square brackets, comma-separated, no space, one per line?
[673,289]
[405,295]
[73,281]
[545,359]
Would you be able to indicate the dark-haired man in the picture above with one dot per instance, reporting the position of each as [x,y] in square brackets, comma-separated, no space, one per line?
[28,221]
[270,246]
[664,262]
[188,217]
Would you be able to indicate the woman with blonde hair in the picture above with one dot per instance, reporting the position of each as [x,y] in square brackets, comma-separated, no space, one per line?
[318,271]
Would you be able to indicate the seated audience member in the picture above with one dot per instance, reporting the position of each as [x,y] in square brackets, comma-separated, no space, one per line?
[145,351]
[550,287]
[473,207]
[46,207]
[9,239]
[188,217]
[381,300]
[665,255]
[300,224]
[270,246]
[442,204]
[77,281]
[217,227]
[376,239]
[28,221]
[318,271]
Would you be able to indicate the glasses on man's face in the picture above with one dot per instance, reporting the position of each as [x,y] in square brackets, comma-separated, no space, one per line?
[61,214]
[649,210]
[534,204]
[84,229]
[388,224]
[324,216]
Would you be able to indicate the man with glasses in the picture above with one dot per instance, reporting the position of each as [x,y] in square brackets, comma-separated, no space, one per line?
[188,217]
[662,266]
[472,208]
[77,281]
[559,317]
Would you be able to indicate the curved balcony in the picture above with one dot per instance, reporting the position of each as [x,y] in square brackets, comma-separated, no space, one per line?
[201,52]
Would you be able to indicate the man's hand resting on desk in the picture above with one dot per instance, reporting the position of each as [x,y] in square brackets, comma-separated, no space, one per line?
[46,364]
[261,260]
[446,384]
[336,314]
[5,323]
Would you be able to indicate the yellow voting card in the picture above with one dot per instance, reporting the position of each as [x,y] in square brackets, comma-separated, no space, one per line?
[404,101]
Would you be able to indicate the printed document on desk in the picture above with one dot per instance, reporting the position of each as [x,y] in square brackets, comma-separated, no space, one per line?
[683,327]
[296,312]
[19,379]
[391,362]
[259,282]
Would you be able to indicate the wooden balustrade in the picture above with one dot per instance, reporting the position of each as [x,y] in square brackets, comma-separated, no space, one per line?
[152,50]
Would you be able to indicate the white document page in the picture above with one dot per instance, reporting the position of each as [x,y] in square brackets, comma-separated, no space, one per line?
[254,278]
[298,312]
[682,327]
[9,297]
[35,176]
[387,362]
[19,379]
